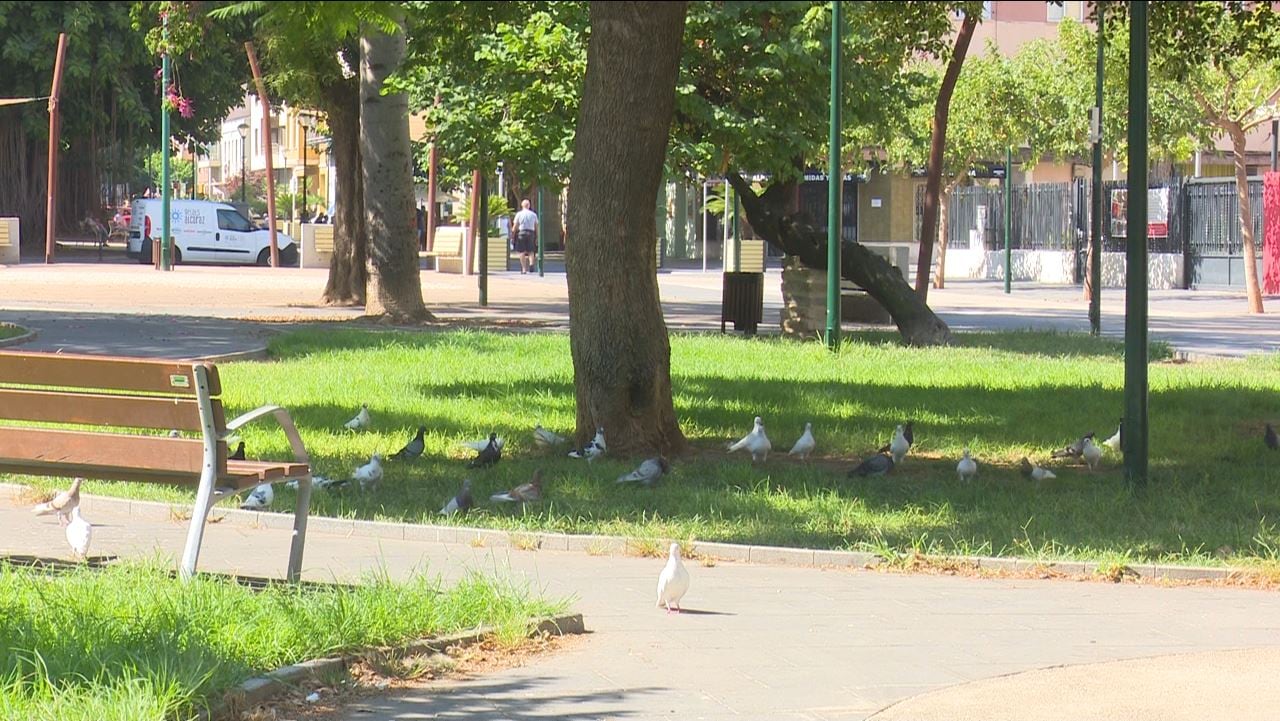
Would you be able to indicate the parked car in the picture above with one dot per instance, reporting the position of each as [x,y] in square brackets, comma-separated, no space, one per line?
[205,231]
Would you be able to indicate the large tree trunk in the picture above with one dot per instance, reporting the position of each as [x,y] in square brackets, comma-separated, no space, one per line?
[348,275]
[793,234]
[1246,221]
[618,338]
[388,183]
[937,143]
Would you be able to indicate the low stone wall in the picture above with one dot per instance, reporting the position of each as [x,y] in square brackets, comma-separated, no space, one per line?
[1165,270]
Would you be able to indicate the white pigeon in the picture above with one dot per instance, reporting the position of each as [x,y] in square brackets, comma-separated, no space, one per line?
[370,474]
[1092,454]
[756,442]
[1035,472]
[317,482]
[79,533]
[967,468]
[261,497]
[1114,441]
[899,446]
[545,438]
[805,444]
[481,445]
[592,450]
[361,421]
[673,582]
[62,504]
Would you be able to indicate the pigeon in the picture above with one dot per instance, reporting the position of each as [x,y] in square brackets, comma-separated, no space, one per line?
[323,482]
[239,453]
[481,445]
[673,582]
[1034,472]
[370,474]
[361,421]
[876,465]
[1091,454]
[79,533]
[490,455]
[62,504]
[593,450]
[175,433]
[523,493]
[1116,439]
[649,472]
[805,444]
[756,442]
[967,468]
[899,445]
[907,433]
[261,497]
[1074,450]
[412,449]
[545,438]
[1269,437]
[460,503]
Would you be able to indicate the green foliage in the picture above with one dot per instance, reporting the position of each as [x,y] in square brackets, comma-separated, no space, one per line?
[498,206]
[179,169]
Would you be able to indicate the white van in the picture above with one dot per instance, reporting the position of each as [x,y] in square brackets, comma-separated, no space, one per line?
[205,231]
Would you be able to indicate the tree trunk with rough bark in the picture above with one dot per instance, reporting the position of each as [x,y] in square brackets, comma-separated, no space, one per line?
[1252,288]
[618,338]
[793,234]
[937,143]
[387,164]
[348,276]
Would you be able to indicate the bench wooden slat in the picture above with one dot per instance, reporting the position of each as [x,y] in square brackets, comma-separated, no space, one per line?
[103,372]
[98,409]
[266,470]
[91,452]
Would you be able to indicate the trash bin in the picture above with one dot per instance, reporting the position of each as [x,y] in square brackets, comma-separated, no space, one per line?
[742,301]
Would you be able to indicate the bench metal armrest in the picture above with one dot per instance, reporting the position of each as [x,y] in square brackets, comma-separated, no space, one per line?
[286,424]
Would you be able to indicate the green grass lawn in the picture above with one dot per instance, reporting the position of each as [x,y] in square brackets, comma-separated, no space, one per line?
[1214,485]
[131,643]
[8,330]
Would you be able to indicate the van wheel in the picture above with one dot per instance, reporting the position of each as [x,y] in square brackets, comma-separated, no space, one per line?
[264,258]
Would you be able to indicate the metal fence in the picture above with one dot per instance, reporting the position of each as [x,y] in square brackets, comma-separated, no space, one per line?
[1042,218]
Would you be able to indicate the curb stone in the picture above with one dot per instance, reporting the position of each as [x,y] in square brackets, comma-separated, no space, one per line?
[597,545]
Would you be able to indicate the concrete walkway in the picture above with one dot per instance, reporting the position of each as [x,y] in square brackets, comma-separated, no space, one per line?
[766,642]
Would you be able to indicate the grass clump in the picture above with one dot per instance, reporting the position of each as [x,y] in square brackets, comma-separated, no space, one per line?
[130,642]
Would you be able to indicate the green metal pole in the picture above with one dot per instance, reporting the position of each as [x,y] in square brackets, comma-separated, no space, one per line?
[1008,219]
[835,184]
[538,231]
[482,197]
[1095,226]
[1135,282]
[165,191]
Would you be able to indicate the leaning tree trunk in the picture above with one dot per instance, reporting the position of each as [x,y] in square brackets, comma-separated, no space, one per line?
[1246,221]
[348,275]
[937,143]
[618,338]
[793,234]
[387,166]
[940,280]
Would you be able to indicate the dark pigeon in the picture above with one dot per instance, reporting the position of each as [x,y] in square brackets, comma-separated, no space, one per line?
[239,454]
[1075,450]
[1270,437]
[876,465]
[460,503]
[491,454]
[412,449]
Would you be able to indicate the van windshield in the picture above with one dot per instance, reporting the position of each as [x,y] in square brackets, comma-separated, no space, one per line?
[231,220]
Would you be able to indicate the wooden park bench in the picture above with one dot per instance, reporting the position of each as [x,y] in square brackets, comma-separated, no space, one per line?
[446,250]
[67,415]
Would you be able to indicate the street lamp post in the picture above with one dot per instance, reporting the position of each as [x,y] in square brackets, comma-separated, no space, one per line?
[244,157]
[305,121]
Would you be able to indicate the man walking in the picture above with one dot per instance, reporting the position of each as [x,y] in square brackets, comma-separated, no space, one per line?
[526,235]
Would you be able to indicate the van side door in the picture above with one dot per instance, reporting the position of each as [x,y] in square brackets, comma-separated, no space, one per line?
[234,242]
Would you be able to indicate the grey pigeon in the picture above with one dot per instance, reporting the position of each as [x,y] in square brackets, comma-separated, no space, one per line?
[593,450]
[756,442]
[238,455]
[460,503]
[1269,436]
[876,465]
[805,444]
[1035,472]
[412,449]
[649,472]
[1074,450]
[489,456]
[62,504]
[523,493]
[261,497]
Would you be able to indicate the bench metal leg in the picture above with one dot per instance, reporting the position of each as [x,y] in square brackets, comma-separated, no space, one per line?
[300,512]
[195,532]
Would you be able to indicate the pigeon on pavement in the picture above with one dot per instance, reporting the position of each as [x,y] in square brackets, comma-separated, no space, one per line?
[1269,437]
[361,421]
[649,472]
[1116,438]
[412,449]
[261,497]
[876,465]
[62,504]
[593,450]
[370,474]
[756,442]
[1074,450]
[79,533]
[673,582]
[967,468]
[1091,454]
[238,455]
[805,444]
[523,493]
[1034,472]
[545,438]
[460,503]
[489,455]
